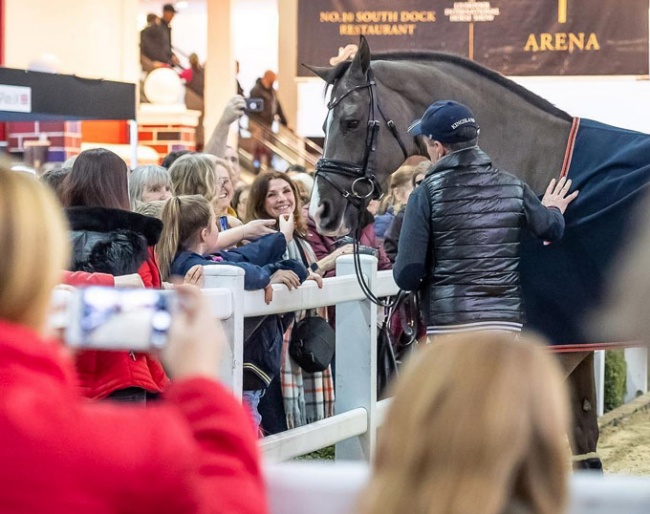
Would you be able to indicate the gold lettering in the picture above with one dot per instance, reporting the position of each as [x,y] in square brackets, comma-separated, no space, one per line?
[561,42]
[330,17]
[592,42]
[545,42]
[576,41]
[417,16]
[531,44]
[376,16]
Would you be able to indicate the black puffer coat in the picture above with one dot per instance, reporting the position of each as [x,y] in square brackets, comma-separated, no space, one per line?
[110,240]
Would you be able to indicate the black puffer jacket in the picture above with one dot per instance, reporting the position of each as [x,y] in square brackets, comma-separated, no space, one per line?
[110,240]
[459,243]
[476,217]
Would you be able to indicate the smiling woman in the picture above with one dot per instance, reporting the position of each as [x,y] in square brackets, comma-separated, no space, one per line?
[299,397]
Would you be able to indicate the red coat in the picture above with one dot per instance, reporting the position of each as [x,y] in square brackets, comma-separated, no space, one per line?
[193,452]
[100,372]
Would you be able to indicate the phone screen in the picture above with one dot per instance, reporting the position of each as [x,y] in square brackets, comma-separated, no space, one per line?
[119,319]
[254,104]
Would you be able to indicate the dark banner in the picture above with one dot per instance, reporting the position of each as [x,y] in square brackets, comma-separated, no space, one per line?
[514,37]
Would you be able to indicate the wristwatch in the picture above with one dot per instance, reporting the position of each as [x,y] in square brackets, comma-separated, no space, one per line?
[314,267]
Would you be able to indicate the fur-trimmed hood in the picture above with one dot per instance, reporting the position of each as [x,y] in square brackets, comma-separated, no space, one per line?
[101,219]
[110,240]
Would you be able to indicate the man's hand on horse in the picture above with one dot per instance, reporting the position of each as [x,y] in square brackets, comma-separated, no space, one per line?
[556,194]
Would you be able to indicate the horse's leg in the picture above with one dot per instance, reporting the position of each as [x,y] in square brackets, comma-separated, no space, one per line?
[579,369]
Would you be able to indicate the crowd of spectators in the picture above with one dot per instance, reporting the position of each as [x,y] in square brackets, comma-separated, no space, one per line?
[193,448]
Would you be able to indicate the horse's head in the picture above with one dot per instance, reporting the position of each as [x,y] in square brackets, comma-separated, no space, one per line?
[355,161]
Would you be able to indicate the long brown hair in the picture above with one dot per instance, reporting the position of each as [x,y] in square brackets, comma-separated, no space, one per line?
[35,248]
[256,210]
[183,218]
[99,178]
[478,424]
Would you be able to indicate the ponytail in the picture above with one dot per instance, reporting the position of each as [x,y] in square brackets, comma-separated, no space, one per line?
[183,218]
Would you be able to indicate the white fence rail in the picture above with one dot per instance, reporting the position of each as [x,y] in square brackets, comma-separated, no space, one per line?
[353,428]
[327,488]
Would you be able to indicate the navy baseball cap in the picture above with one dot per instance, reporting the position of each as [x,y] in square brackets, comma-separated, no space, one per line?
[443,121]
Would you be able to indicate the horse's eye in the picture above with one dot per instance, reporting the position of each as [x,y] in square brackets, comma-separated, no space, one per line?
[351,124]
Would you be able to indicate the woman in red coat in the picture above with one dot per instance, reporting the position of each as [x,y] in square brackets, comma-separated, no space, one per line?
[193,452]
[108,238]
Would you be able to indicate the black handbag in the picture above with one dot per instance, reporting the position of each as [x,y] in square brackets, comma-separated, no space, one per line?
[312,344]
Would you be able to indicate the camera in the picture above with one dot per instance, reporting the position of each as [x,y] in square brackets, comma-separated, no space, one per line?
[119,319]
[254,104]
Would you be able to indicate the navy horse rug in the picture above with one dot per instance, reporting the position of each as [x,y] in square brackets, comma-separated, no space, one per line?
[564,282]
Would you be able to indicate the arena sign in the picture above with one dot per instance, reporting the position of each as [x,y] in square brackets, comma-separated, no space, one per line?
[522,37]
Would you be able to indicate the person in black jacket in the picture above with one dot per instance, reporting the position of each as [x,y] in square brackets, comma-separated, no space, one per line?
[459,244]
[156,41]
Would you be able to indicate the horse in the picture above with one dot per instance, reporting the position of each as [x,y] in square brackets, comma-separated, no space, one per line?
[375,98]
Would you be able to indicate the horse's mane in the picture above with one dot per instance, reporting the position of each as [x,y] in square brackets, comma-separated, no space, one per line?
[339,70]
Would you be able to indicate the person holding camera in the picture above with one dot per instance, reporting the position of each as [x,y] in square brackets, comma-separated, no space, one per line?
[263,115]
[195,451]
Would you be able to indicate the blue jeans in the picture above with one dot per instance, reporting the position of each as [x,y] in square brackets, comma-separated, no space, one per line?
[252,399]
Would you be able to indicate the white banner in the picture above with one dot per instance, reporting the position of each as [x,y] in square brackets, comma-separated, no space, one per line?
[15,98]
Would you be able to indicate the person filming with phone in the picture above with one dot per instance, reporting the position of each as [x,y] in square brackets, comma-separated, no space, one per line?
[263,108]
[194,451]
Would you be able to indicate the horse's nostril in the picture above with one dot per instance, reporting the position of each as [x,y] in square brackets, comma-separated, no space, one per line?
[325,210]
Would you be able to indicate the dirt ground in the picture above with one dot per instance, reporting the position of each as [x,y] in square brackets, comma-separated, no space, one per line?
[624,447]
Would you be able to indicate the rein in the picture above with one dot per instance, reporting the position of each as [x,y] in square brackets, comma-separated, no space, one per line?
[365,185]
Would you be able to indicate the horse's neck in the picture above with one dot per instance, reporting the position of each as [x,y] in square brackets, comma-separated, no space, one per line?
[519,136]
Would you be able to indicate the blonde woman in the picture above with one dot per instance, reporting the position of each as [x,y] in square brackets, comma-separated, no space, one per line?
[477,426]
[399,189]
[200,174]
[194,452]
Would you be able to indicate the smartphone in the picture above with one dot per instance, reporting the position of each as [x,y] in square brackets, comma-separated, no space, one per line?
[119,319]
[254,104]
[223,223]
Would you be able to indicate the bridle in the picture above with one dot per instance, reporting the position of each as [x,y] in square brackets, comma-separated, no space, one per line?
[365,185]
[361,173]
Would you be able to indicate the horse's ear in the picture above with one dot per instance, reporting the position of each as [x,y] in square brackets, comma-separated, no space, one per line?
[323,72]
[362,59]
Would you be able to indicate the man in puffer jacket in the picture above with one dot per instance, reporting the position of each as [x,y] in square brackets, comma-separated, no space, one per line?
[459,244]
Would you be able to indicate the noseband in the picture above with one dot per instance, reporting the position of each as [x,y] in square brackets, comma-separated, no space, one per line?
[365,185]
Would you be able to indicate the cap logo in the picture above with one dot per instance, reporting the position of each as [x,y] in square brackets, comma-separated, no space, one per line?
[454,126]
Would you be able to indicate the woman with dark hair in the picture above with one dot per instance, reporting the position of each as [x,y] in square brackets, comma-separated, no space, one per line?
[108,238]
[306,397]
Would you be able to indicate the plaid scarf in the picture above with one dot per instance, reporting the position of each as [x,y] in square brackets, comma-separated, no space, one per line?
[308,397]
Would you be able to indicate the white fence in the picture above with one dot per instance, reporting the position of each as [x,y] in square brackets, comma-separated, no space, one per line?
[327,488]
[353,428]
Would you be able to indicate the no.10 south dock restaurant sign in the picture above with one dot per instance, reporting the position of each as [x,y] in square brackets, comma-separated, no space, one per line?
[514,37]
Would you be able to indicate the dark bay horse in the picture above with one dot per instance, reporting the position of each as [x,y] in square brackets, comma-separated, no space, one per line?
[375,98]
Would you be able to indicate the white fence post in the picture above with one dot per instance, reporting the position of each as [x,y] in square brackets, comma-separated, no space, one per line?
[599,372]
[231,278]
[637,372]
[356,359]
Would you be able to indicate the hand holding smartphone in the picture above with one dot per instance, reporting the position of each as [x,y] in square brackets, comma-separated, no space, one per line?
[178,322]
[119,319]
